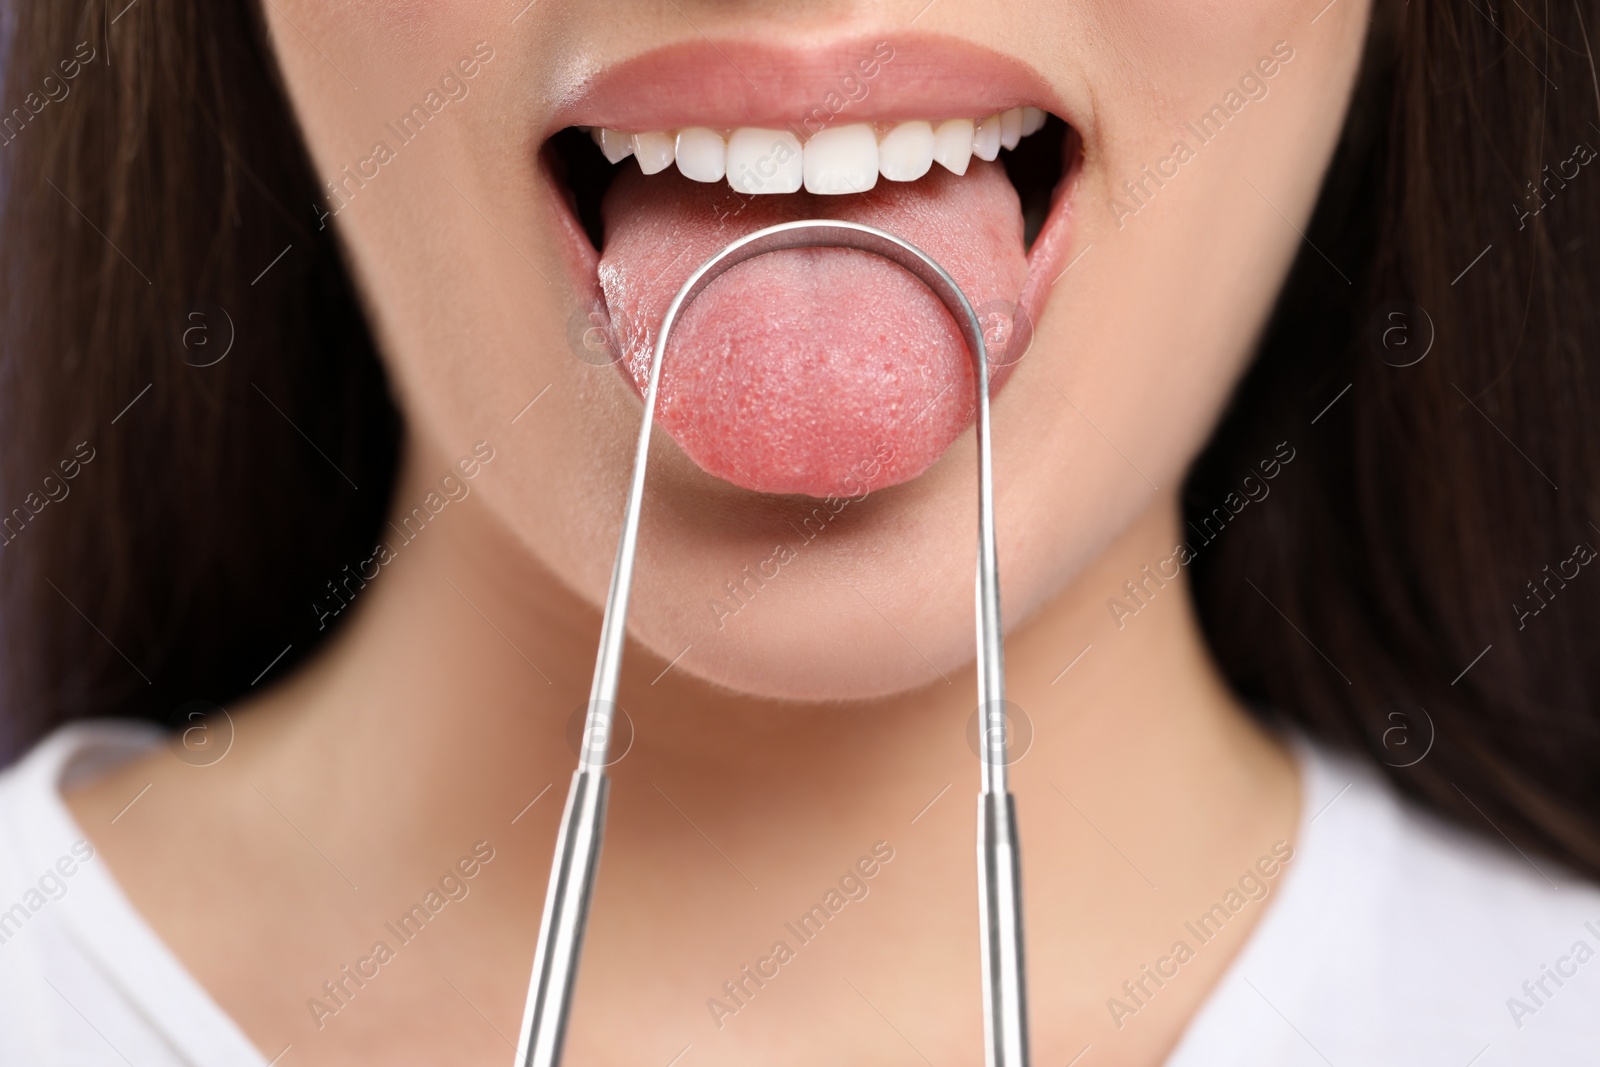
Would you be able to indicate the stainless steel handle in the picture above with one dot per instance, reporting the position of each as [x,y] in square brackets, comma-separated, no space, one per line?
[566,906]
[1005,1007]
[566,914]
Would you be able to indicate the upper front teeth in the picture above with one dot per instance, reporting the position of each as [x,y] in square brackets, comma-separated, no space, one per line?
[616,146]
[952,144]
[906,152]
[842,159]
[702,154]
[764,161]
[837,160]
[654,151]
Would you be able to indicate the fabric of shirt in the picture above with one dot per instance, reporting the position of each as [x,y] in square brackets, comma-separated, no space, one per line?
[1389,938]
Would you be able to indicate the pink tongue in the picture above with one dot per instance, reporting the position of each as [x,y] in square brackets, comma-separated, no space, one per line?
[819,371]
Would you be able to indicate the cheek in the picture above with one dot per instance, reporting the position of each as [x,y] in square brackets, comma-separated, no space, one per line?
[1191,244]
[444,238]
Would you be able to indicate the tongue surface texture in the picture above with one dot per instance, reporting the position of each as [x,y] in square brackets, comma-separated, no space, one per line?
[817,371]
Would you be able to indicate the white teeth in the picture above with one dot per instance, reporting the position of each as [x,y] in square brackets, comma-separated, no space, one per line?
[764,161]
[952,145]
[835,161]
[842,159]
[906,152]
[1010,128]
[702,155]
[616,146]
[654,151]
[986,138]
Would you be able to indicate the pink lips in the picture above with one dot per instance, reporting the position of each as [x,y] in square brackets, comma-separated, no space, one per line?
[797,370]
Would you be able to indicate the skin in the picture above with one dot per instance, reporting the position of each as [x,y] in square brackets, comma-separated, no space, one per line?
[440,709]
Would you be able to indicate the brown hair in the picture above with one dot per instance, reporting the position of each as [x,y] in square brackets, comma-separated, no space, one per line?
[1387,595]
[1376,580]
[161,207]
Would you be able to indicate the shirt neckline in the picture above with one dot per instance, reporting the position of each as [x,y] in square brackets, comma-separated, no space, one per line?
[112,933]
[1321,900]
[98,916]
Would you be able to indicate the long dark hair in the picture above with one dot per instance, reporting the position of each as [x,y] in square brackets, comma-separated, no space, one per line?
[1407,589]
[159,209]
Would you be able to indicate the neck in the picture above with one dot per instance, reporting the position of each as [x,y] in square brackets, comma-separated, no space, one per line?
[463,653]
[450,702]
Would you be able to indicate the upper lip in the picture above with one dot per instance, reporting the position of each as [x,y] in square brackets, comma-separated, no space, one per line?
[730,83]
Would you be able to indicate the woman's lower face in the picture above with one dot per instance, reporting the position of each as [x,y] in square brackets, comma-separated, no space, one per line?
[520,191]
[809,526]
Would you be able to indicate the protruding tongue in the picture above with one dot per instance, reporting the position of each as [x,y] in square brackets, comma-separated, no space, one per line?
[819,371]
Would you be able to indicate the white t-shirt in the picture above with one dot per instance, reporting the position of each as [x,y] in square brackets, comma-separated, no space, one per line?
[1390,939]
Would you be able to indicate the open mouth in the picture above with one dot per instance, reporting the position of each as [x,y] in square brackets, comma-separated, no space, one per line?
[824,372]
